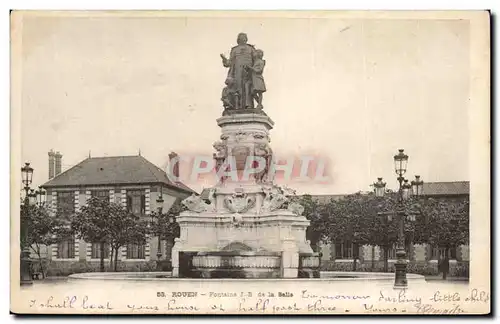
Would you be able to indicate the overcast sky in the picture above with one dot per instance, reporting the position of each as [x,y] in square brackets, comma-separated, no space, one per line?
[350,90]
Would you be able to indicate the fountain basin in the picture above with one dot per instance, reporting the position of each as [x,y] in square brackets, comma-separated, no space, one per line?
[229,264]
[246,264]
[327,276]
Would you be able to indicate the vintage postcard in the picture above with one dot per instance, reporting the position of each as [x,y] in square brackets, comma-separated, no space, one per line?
[250,162]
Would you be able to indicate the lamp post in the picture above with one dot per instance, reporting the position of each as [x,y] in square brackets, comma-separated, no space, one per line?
[171,221]
[400,163]
[159,201]
[404,192]
[25,265]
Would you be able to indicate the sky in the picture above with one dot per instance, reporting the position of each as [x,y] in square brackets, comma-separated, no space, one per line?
[352,91]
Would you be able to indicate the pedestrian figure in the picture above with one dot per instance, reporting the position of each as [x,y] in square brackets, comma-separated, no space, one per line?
[444,266]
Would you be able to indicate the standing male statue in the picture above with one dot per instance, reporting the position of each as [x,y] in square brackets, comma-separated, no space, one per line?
[240,59]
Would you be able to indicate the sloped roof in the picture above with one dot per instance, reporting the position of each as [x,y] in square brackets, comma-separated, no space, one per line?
[113,170]
[322,199]
[446,188]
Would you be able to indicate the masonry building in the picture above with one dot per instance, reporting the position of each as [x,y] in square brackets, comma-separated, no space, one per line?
[131,181]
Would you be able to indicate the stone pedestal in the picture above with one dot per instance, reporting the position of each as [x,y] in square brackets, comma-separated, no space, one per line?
[289,259]
[25,268]
[175,258]
[244,139]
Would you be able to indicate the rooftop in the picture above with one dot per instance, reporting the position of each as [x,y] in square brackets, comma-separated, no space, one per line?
[446,188]
[114,170]
[452,188]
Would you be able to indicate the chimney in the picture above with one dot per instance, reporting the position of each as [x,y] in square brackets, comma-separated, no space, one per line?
[175,168]
[51,164]
[58,157]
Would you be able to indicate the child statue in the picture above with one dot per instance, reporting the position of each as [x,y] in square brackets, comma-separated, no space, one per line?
[258,84]
[229,96]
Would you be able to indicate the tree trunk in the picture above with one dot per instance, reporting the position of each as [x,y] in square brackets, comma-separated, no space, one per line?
[445,263]
[386,258]
[373,257]
[39,254]
[111,257]
[101,266]
[116,258]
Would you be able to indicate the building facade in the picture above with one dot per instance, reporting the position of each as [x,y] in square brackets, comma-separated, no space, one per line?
[372,255]
[131,181]
[136,183]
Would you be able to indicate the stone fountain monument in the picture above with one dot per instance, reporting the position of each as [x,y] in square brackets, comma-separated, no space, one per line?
[248,227]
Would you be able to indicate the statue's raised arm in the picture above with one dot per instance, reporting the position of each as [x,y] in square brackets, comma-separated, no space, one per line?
[225,61]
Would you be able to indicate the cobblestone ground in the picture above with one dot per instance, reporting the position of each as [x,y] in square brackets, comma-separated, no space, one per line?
[191,296]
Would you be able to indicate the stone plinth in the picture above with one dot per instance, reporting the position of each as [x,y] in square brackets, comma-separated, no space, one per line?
[252,222]
[215,232]
[256,219]
[289,258]
[247,120]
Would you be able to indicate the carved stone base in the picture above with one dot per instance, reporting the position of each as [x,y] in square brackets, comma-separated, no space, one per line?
[218,241]
[264,232]
[247,226]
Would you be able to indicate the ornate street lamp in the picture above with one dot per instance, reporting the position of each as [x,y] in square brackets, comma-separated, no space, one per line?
[417,186]
[25,264]
[159,201]
[404,193]
[400,163]
[27,173]
[379,188]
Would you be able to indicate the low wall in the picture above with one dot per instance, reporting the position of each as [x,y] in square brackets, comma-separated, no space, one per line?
[457,269]
[64,268]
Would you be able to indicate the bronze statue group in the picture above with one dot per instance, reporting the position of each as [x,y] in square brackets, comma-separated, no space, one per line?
[244,81]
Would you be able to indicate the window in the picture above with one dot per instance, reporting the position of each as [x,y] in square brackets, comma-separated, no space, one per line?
[65,202]
[66,249]
[101,194]
[136,251]
[346,250]
[96,251]
[136,202]
[439,253]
